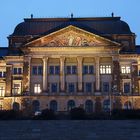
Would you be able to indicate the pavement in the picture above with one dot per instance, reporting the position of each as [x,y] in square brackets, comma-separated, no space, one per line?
[70,130]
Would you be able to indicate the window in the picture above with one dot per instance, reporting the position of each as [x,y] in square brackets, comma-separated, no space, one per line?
[40,70]
[88,87]
[54,70]
[51,70]
[54,87]
[70,105]
[16,106]
[35,105]
[106,105]
[17,70]
[2,91]
[16,88]
[37,70]
[57,69]
[68,69]
[85,69]
[125,69]
[71,87]
[105,87]
[127,105]
[105,69]
[34,70]
[2,74]
[88,69]
[127,87]
[53,105]
[89,106]
[71,69]
[37,88]
[74,69]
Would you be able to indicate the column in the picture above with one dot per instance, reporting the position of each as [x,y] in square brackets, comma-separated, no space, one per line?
[62,73]
[45,71]
[80,77]
[97,63]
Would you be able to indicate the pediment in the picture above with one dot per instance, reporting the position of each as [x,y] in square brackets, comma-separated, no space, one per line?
[71,36]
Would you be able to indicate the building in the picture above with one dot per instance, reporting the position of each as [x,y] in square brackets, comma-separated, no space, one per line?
[61,63]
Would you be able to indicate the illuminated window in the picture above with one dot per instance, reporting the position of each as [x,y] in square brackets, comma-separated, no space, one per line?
[105,69]
[16,88]
[88,69]
[2,74]
[17,70]
[37,88]
[125,69]
[71,69]
[2,91]
[37,70]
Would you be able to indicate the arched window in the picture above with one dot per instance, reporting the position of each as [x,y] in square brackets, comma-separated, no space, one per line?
[89,106]
[36,105]
[16,106]
[53,105]
[70,105]
[127,105]
[106,105]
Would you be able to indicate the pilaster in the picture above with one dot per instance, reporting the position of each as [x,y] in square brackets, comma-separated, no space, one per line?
[45,71]
[62,73]
[80,77]
[97,63]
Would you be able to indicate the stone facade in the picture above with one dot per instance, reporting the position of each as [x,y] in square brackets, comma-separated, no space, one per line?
[70,66]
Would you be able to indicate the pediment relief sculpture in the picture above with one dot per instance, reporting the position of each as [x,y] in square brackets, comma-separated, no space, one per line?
[72,39]
[71,36]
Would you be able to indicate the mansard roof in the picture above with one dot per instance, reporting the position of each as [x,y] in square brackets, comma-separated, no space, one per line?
[103,25]
[5,51]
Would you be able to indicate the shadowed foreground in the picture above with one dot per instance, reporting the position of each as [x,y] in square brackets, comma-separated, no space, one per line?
[70,130]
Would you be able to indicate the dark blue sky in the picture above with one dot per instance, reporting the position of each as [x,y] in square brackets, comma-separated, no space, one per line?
[13,12]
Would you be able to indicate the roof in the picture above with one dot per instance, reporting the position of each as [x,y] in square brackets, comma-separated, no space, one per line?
[103,25]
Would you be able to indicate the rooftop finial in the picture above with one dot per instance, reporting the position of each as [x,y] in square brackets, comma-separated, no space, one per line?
[71,15]
[112,14]
[31,15]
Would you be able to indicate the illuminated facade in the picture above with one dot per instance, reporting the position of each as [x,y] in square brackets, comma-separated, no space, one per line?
[61,63]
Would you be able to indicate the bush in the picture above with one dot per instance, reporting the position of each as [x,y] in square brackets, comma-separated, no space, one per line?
[10,115]
[126,114]
[77,113]
[47,114]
